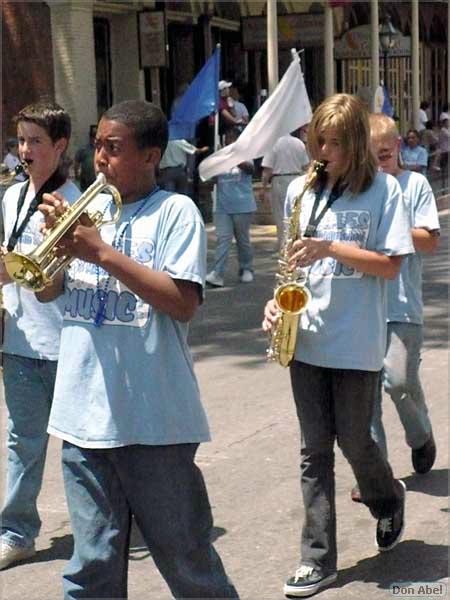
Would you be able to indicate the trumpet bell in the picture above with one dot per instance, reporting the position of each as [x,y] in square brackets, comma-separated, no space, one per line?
[25,271]
[38,269]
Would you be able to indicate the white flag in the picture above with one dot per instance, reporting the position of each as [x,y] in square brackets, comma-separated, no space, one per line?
[287,109]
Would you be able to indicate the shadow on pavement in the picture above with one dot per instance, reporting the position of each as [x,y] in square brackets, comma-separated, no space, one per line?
[61,548]
[410,561]
[434,483]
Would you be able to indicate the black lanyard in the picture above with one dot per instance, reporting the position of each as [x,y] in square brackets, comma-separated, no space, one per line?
[314,219]
[52,184]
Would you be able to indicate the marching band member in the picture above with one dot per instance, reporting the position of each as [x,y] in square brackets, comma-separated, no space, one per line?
[32,330]
[356,235]
[126,402]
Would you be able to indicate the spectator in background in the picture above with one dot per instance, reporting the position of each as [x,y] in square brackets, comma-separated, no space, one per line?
[444,143]
[303,135]
[423,116]
[240,110]
[84,161]
[227,114]
[287,160]
[173,165]
[414,156]
[233,215]
[444,114]
[11,160]
[430,142]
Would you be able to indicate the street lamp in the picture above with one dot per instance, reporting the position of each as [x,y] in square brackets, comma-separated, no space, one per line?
[388,37]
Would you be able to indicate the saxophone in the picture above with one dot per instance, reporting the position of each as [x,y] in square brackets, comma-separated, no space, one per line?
[291,295]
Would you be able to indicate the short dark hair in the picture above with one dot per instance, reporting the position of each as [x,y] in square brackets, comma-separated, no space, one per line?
[48,115]
[146,120]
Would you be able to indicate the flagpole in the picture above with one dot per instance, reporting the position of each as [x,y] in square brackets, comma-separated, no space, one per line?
[272,45]
[216,140]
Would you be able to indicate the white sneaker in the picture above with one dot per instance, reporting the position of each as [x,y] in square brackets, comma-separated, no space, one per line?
[214,279]
[10,554]
[246,276]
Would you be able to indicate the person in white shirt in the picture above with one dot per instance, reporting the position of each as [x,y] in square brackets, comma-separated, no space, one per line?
[287,160]
[172,168]
[423,116]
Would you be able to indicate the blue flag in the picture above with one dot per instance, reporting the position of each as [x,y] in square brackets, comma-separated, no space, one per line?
[200,100]
[387,107]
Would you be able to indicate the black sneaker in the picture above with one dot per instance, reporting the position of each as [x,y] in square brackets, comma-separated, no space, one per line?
[306,582]
[390,529]
[423,458]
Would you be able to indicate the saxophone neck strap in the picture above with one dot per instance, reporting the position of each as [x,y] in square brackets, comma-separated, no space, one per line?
[315,219]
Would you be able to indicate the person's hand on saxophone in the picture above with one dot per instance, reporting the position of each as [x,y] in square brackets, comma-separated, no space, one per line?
[271,314]
[305,251]
[302,253]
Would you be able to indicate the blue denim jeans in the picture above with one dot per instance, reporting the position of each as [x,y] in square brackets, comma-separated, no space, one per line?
[226,226]
[28,384]
[165,492]
[401,381]
[336,405]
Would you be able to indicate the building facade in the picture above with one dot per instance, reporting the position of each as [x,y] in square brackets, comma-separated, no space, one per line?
[93,53]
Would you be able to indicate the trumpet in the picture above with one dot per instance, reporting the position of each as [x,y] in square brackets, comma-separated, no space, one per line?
[36,270]
[291,294]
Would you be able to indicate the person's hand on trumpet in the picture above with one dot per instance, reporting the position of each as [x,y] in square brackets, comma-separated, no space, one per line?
[82,240]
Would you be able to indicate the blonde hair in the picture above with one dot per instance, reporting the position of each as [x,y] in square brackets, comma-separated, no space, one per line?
[382,127]
[349,116]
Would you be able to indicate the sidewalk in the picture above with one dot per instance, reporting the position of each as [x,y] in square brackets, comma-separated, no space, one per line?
[251,467]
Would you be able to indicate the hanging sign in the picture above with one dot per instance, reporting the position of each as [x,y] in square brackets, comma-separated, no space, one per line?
[152,39]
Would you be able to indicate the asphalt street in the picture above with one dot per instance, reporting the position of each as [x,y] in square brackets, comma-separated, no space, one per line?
[251,466]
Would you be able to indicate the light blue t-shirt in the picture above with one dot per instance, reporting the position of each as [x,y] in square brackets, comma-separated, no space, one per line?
[414,156]
[32,329]
[404,294]
[131,381]
[235,193]
[344,325]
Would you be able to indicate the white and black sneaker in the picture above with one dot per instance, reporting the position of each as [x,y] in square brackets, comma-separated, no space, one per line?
[390,529]
[306,582]
[214,279]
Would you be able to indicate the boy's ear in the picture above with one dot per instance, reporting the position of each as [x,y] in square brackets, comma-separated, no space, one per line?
[61,145]
[154,156]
